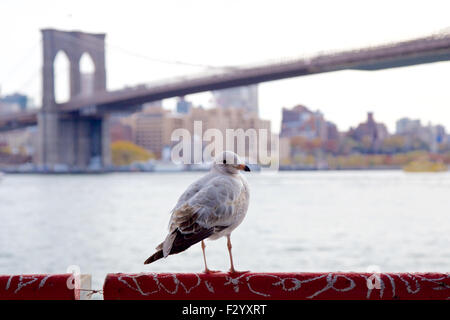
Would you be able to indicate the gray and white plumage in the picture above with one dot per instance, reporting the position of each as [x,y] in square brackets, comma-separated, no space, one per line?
[211,207]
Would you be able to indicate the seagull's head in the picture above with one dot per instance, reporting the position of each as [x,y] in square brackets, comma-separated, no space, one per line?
[229,162]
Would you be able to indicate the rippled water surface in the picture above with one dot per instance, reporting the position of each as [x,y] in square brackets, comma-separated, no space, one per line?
[297,221]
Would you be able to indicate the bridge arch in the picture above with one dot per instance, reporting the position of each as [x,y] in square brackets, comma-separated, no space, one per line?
[74,140]
[75,45]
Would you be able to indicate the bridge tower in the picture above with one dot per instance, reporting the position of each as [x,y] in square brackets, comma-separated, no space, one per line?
[72,139]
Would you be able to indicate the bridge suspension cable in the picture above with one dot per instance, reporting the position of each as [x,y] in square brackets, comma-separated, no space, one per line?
[173,62]
[21,62]
[95,45]
[26,84]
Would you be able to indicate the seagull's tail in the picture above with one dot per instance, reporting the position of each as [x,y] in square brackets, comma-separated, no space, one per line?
[156,256]
[178,242]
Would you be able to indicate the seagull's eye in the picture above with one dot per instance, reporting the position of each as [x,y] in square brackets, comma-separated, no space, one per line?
[224,161]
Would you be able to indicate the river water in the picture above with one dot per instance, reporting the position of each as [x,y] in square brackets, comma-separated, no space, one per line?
[297,221]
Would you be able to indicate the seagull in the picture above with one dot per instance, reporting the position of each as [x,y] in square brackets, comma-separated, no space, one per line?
[210,208]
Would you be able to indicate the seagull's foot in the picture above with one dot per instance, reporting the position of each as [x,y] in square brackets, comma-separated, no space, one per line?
[234,271]
[211,271]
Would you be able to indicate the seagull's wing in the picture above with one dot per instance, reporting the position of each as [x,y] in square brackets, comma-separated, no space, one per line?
[209,209]
[211,205]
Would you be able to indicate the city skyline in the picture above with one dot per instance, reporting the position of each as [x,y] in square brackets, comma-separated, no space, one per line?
[305,132]
[420,90]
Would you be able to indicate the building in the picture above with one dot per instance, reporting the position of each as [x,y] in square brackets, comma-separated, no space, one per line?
[370,133]
[149,106]
[245,98]
[302,122]
[439,134]
[407,126]
[285,150]
[120,129]
[332,131]
[153,128]
[13,103]
[304,131]
[147,128]
[183,106]
[229,118]
[331,144]
[418,136]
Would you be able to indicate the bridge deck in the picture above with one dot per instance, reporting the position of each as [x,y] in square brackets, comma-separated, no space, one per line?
[418,51]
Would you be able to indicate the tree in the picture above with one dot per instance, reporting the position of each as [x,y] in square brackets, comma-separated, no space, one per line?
[346,145]
[125,153]
[393,144]
[5,149]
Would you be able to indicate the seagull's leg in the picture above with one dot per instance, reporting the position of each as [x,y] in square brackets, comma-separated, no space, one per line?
[232,269]
[204,259]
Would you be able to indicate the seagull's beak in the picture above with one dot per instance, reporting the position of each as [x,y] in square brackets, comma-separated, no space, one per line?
[243,167]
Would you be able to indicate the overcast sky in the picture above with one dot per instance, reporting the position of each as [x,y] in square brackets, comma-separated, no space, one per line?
[223,33]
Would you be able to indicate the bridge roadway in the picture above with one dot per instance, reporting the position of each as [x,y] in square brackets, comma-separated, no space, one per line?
[18,120]
[418,51]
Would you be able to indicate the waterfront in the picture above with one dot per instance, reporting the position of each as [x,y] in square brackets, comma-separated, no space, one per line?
[297,221]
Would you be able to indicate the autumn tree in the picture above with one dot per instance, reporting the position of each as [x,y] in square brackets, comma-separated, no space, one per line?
[125,153]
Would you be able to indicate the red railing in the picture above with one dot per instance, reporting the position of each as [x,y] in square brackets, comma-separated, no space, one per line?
[39,287]
[275,286]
